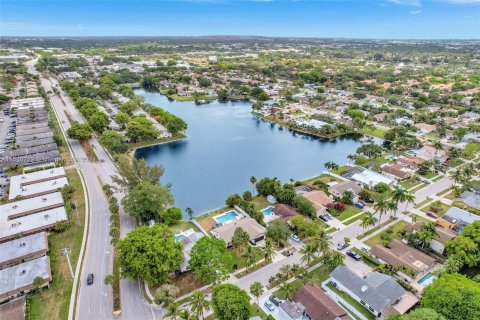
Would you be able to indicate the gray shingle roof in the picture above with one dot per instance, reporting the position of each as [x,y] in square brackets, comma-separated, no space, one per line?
[381,289]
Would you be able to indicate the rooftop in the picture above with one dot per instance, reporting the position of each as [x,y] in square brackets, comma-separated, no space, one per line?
[32,205]
[37,221]
[318,305]
[22,275]
[34,189]
[21,247]
[250,225]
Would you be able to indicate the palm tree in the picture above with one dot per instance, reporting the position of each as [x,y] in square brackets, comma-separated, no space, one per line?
[268,250]
[286,271]
[330,165]
[457,176]
[351,157]
[381,207]
[186,315]
[333,259]
[256,289]
[189,212]
[321,242]
[38,283]
[250,256]
[199,303]
[368,220]
[438,146]
[393,207]
[308,252]
[305,276]
[253,181]
[426,233]
[288,289]
[409,198]
[173,311]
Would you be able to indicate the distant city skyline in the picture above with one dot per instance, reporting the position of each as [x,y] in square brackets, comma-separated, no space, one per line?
[380,19]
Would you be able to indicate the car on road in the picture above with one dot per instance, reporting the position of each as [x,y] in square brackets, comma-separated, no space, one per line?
[275,300]
[295,238]
[90,279]
[431,214]
[354,255]
[269,305]
[341,246]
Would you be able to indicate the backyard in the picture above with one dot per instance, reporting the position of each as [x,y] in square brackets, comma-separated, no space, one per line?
[393,230]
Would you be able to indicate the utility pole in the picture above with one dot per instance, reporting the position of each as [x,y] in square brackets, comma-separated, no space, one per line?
[66,252]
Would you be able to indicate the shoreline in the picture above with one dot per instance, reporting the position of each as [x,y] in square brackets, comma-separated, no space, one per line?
[179,137]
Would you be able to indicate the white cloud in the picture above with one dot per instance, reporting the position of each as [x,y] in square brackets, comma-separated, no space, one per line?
[414,3]
[464,1]
[414,12]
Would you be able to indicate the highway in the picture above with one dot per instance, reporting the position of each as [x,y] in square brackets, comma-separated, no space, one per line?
[95,301]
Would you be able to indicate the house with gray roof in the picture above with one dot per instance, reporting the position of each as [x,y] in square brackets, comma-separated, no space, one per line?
[23,249]
[378,292]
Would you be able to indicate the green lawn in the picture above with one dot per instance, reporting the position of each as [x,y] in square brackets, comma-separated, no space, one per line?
[442,206]
[456,162]
[350,211]
[424,202]
[323,177]
[319,275]
[359,307]
[396,228]
[356,218]
[239,259]
[340,169]
[419,218]
[429,175]
[183,225]
[409,183]
[261,202]
[377,132]
[54,302]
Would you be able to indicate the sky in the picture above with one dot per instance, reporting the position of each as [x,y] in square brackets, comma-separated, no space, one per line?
[385,19]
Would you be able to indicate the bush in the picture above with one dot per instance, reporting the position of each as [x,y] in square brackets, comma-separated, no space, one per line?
[247,196]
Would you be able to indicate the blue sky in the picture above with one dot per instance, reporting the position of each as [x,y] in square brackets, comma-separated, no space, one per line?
[422,19]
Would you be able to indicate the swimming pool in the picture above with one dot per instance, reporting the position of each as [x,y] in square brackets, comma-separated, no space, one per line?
[411,152]
[267,211]
[226,217]
[427,279]
[179,237]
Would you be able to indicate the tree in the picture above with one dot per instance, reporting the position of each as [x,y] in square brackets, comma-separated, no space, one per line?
[150,253]
[381,187]
[304,206]
[399,195]
[141,129]
[209,260]
[256,289]
[466,246]
[268,186]
[333,259]
[247,196]
[189,211]
[132,172]
[38,283]
[109,280]
[278,231]
[427,233]
[147,201]
[121,119]
[369,220]
[419,314]
[80,131]
[381,207]
[250,257]
[321,242]
[166,294]
[304,227]
[173,311]
[240,239]
[370,150]
[113,141]
[199,303]
[330,165]
[347,197]
[288,289]
[233,200]
[172,216]
[230,302]
[305,276]
[253,181]
[308,252]
[98,121]
[454,296]
[268,250]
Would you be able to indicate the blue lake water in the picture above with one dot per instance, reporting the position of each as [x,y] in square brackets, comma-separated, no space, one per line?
[226,145]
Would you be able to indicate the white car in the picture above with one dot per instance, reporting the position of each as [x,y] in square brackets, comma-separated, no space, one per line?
[295,237]
[269,305]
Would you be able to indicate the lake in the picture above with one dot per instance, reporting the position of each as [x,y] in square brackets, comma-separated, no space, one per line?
[226,145]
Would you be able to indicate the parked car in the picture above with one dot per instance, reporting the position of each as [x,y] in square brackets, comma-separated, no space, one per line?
[275,300]
[364,249]
[341,246]
[295,238]
[269,305]
[328,216]
[90,279]
[431,214]
[288,253]
[354,255]
[323,217]
[359,205]
[369,201]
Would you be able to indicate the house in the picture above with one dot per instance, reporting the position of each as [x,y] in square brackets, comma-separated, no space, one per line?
[438,243]
[319,199]
[371,178]
[291,310]
[425,127]
[409,161]
[378,292]
[457,219]
[428,153]
[255,230]
[397,171]
[35,189]
[318,305]
[471,137]
[399,254]
[472,199]
[23,249]
[380,117]
[18,280]
[404,121]
[284,211]
[13,310]
[188,239]
[338,189]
